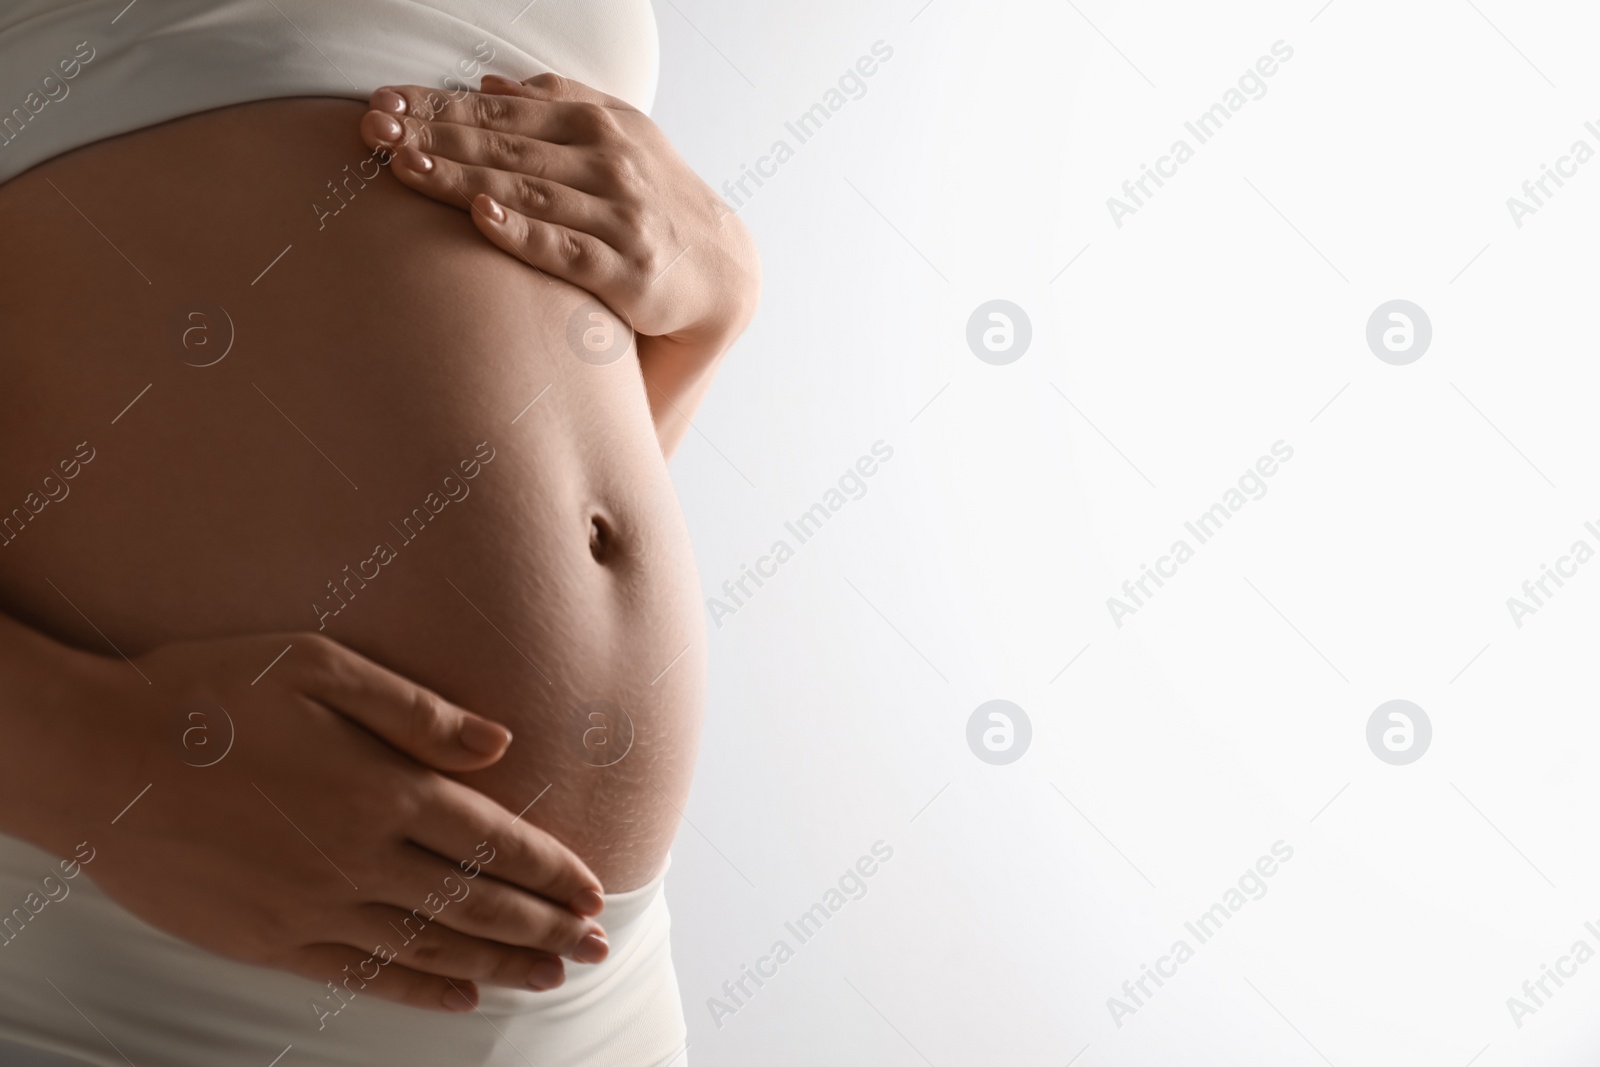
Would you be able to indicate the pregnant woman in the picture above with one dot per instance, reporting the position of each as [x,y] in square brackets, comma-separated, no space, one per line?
[353,668]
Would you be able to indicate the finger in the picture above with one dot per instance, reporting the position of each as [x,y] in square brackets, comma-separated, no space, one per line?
[548,201]
[515,153]
[438,950]
[458,820]
[487,908]
[555,121]
[451,180]
[413,719]
[355,972]
[571,255]
[512,152]
[552,86]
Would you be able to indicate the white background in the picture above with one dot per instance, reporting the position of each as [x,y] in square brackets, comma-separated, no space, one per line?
[1226,714]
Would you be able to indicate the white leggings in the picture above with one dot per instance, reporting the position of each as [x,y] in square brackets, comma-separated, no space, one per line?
[85,980]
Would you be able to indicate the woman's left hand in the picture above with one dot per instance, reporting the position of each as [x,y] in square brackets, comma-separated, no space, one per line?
[581,185]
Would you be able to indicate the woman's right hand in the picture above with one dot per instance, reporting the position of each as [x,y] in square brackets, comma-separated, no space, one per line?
[313,823]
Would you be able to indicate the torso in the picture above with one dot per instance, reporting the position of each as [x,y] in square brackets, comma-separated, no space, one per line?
[389,344]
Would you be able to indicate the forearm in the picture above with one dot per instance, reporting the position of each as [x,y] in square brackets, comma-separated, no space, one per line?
[677,376]
[49,743]
[678,368]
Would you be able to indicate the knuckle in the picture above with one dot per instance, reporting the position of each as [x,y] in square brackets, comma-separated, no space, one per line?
[642,264]
[646,259]
[426,951]
[502,966]
[425,714]
[534,192]
[631,218]
[486,909]
[644,269]
[417,132]
[491,109]
[621,169]
[618,173]
[592,120]
[524,851]
[535,163]
[573,250]
[549,83]
[425,106]
[501,149]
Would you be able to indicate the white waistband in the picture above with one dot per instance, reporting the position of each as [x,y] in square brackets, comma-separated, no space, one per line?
[76,72]
[160,1000]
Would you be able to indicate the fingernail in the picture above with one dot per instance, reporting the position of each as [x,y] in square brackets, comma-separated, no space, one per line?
[592,949]
[388,127]
[546,974]
[588,903]
[484,737]
[456,1000]
[388,100]
[411,159]
[494,210]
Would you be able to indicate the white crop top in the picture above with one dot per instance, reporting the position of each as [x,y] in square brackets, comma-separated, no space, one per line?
[77,71]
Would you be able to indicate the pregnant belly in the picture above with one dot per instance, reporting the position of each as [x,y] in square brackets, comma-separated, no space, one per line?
[396,443]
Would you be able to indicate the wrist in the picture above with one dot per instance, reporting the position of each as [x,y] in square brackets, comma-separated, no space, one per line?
[735,291]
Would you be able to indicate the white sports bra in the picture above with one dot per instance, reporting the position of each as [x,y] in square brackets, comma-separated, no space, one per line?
[77,71]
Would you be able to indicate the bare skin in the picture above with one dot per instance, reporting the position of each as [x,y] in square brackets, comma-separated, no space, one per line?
[547,576]
[578,183]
